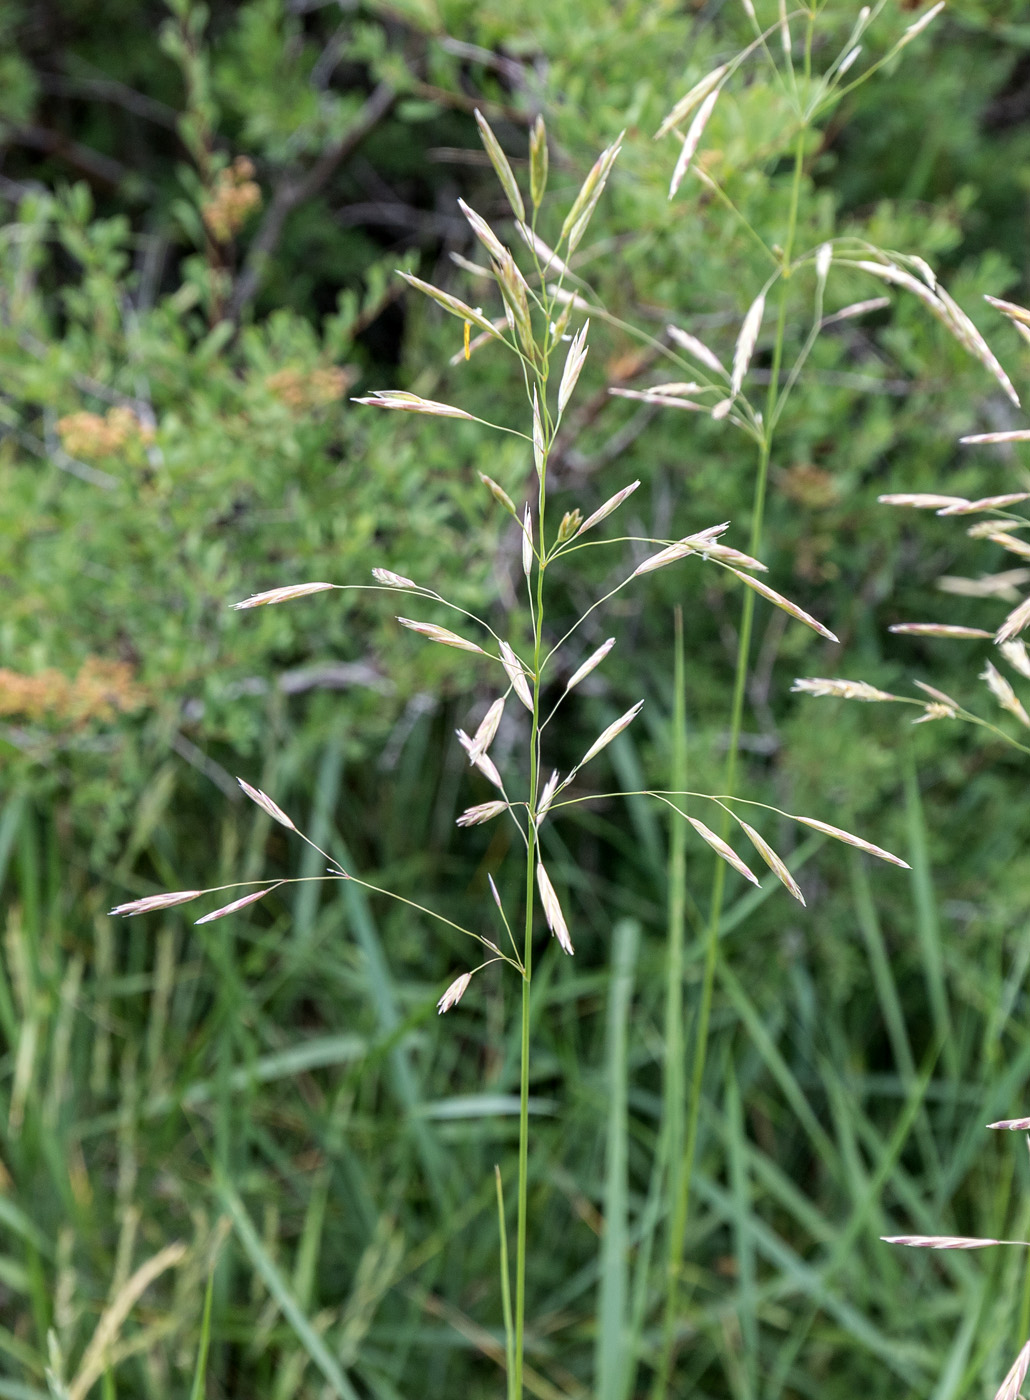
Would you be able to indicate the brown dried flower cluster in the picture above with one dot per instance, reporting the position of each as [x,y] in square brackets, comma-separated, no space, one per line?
[235,196]
[103,435]
[101,690]
[303,391]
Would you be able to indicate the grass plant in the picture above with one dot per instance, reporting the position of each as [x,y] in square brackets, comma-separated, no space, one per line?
[245,1151]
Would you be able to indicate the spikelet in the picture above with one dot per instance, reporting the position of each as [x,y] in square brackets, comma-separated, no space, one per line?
[483,232]
[939,1241]
[527,543]
[1014,1125]
[917,26]
[1004,694]
[935,709]
[840,689]
[849,840]
[612,732]
[404,402]
[692,140]
[696,348]
[937,629]
[986,502]
[921,500]
[549,260]
[788,607]
[487,731]
[440,634]
[454,993]
[1017,620]
[482,761]
[482,812]
[516,673]
[454,305]
[543,805]
[1015,654]
[612,504]
[693,98]
[391,580]
[574,362]
[499,161]
[155,901]
[552,909]
[856,308]
[720,848]
[745,346]
[579,215]
[237,904]
[499,494]
[538,158]
[282,595]
[594,659]
[1009,1388]
[772,860]
[267,805]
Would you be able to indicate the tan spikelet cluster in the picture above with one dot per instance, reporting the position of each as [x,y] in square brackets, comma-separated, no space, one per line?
[100,691]
[93,435]
[231,201]
[304,391]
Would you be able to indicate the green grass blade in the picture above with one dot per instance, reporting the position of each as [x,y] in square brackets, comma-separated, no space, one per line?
[197,1388]
[509,1325]
[612,1347]
[283,1294]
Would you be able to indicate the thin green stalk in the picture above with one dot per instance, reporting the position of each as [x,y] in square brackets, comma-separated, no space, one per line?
[681,1204]
[527,954]
[671,1146]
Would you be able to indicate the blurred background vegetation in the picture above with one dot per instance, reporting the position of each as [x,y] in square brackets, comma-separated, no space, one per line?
[203,211]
